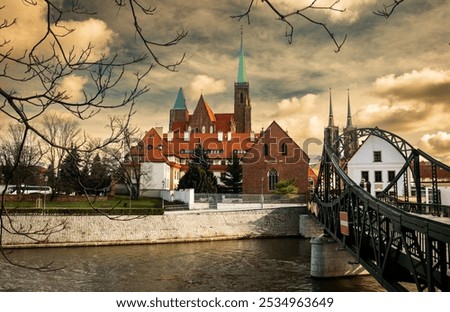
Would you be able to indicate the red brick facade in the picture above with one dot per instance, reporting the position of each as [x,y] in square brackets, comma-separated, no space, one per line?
[274,157]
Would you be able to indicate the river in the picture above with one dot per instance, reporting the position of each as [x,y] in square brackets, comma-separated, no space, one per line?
[235,265]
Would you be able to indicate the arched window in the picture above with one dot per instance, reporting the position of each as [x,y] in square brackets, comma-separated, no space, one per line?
[203,129]
[273,179]
[283,149]
[242,97]
[266,150]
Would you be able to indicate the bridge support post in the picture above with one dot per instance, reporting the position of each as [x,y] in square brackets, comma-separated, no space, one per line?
[329,259]
[309,227]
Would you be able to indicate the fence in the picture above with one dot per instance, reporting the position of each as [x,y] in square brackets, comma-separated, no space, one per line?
[250,198]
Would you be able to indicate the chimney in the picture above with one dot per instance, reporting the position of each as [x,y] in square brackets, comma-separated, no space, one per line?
[159,130]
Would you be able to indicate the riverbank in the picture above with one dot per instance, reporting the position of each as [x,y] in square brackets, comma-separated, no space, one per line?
[186,226]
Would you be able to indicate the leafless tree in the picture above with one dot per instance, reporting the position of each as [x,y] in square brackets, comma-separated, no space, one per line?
[34,74]
[61,131]
[20,159]
[124,158]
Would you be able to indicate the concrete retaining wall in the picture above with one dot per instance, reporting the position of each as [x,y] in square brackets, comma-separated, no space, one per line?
[171,227]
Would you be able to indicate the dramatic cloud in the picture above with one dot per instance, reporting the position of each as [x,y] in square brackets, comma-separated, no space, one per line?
[73,87]
[30,27]
[203,84]
[436,144]
[91,32]
[428,85]
[295,105]
[27,26]
[298,115]
[393,117]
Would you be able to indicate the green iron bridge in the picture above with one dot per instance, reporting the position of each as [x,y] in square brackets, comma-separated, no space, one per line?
[397,239]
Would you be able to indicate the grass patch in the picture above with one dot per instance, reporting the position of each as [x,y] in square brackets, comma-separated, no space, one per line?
[116,206]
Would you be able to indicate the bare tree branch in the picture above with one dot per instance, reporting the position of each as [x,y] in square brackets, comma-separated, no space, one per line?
[388,10]
[285,18]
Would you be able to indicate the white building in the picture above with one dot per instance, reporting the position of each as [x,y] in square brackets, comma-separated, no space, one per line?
[378,162]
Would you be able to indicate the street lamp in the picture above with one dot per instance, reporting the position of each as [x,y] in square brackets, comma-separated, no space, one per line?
[45,190]
[262,192]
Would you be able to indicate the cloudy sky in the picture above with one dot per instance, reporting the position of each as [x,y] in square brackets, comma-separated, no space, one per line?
[397,69]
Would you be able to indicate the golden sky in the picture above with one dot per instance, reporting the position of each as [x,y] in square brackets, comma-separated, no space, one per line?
[397,69]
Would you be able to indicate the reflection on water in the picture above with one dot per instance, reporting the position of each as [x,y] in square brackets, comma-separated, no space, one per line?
[236,265]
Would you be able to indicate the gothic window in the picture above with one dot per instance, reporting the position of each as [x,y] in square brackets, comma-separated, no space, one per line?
[242,97]
[273,179]
[283,149]
[266,150]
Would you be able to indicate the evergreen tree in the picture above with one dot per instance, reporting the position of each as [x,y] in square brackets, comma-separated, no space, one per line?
[199,176]
[233,175]
[99,178]
[69,173]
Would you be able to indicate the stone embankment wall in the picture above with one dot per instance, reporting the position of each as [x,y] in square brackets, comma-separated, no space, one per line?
[171,227]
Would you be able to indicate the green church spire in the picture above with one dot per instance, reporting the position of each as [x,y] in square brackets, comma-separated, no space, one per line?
[180,102]
[242,76]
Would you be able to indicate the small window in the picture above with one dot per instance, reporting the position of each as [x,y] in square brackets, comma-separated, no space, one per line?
[273,179]
[391,175]
[378,176]
[266,150]
[377,156]
[150,147]
[283,149]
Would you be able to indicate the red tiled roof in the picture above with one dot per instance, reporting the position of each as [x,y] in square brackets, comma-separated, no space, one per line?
[150,148]
[223,121]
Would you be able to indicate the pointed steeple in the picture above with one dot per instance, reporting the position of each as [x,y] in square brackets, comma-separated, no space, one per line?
[330,116]
[180,102]
[242,76]
[349,113]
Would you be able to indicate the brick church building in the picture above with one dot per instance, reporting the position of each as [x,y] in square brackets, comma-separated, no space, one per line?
[267,157]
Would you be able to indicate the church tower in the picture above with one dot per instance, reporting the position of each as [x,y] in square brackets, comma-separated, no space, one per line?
[179,114]
[350,135]
[331,132]
[242,106]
